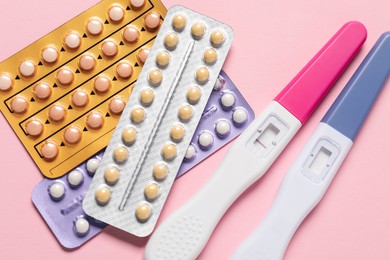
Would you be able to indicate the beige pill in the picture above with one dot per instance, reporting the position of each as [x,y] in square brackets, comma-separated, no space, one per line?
[185,113]
[163,58]
[137,115]
[179,22]
[120,154]
[129,135]
[160,171]
[217,38]
[147,97]
[111,175]
[151,191]
[80,98]
[65,77]
[124,70]
[57,113]
[110,48]
[171,40]
[169,152]
[6,82]
[130,34]
[87,62]
[42,91]
[19,105]
[50,54]
[95,26]
[210,56]
[143,54]
[102,84]
[177,133]
[152,21]
[95,120]
[155,77]
[202,75]
[27,68]
[116,13]
[194,94]
[143,212]
[49,150]
[34,128]
[117,105]
[102,195]
[198,29]
[137,3]
[72,135]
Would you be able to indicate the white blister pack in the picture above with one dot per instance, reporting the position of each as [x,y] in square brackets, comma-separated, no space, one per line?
[141,162]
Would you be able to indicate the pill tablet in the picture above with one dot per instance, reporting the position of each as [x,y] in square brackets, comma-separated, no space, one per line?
[124,70]
[152,21]
[185,113]
[102,195]
[50,54]
[205,140]
[75,178]
[116,106]
[116,13]
[151,191]
[129,135]
[193,95]
[72,40]
[81,226]
[227,100]
[177,133]
[147,96]
[57,113]
[198,29]
[6,82]
[110,48]
[57,190]
[65,77]
[190,153]
[240,116]
[217,38]
[163,58]
[87,62]
[102,84]
[222,128]
[155,77]
[169,152]
[171,40]
[92,165]
[160,171]
[179,21]
[95,120]
[130,34]
[202,75]
[120,154]
[27,68]
[143,212]
[210,56]
[218,84]
[72,135]
[80,98]
[49,150]
[143,54]
[111,175]
[137,115]
[19,105]
[34,128]
[137,3]
[42,91]
[95,26]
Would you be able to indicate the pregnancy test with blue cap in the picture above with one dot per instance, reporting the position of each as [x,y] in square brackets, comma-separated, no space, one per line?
[184,234]
[309,177]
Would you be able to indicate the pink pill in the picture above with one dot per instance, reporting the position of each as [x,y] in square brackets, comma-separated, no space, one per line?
[80,98]
[137,3]
[65,77]
[19,105]
[34,128]
[124,70]
[49,150]
[152,21]
[110,48]
[42,91]
[102,84]
[95,120]
[57,113]
[72,135]
[143,54]
[87,62]
[117,105]
[130,34]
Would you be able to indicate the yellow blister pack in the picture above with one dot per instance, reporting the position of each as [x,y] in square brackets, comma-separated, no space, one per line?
[63,94]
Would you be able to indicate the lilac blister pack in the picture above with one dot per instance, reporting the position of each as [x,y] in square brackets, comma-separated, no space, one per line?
[226,116]
[59,202]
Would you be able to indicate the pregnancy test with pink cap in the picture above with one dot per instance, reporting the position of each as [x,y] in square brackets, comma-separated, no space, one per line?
[312,172]
[184,234]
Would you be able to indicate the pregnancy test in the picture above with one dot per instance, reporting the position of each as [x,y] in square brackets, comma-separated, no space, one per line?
[309,177]
[184,234]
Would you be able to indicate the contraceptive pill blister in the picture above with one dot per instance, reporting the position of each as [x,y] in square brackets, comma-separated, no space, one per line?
[141,162]
[63,94]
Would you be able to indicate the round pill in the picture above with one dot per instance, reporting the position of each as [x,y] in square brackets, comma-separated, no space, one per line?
[147,96]
[198,29]
[240,116]
[160,171]
[120,154]
[222,128]
[57,190]
[72,135]
[19,105]
[102,195]
[117,105]
[185,113]
[169,152]
[50,54]
[137,3]
[111,175]
[49,150]
[130,34]
[81,226]
[87,62]
[163,58]
[65,77]
[143,54]
[205,140]
[80,98]
[95,120]
[171,40]
[116,13]
[177,133]
[202,75]
[34,128]
[95,26]
[179,21]
[110,48]
[143,212]
[6,82]
[218,84]
[57,113]
[129,135]
[194,94]
[152,21]
[210,56]
[72,40]
[155,77]
[190,153]
[151,191]
[102,84]
[228,100]
[124,70]
[27,68]
[92,165]
[137,115]
[75,178]
[42,91]
[217,38]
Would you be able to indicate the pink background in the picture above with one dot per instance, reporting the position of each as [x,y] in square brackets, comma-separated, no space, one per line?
[274,39]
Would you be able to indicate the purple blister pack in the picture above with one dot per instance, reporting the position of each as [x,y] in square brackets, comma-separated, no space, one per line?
[59,202]
[226,115]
